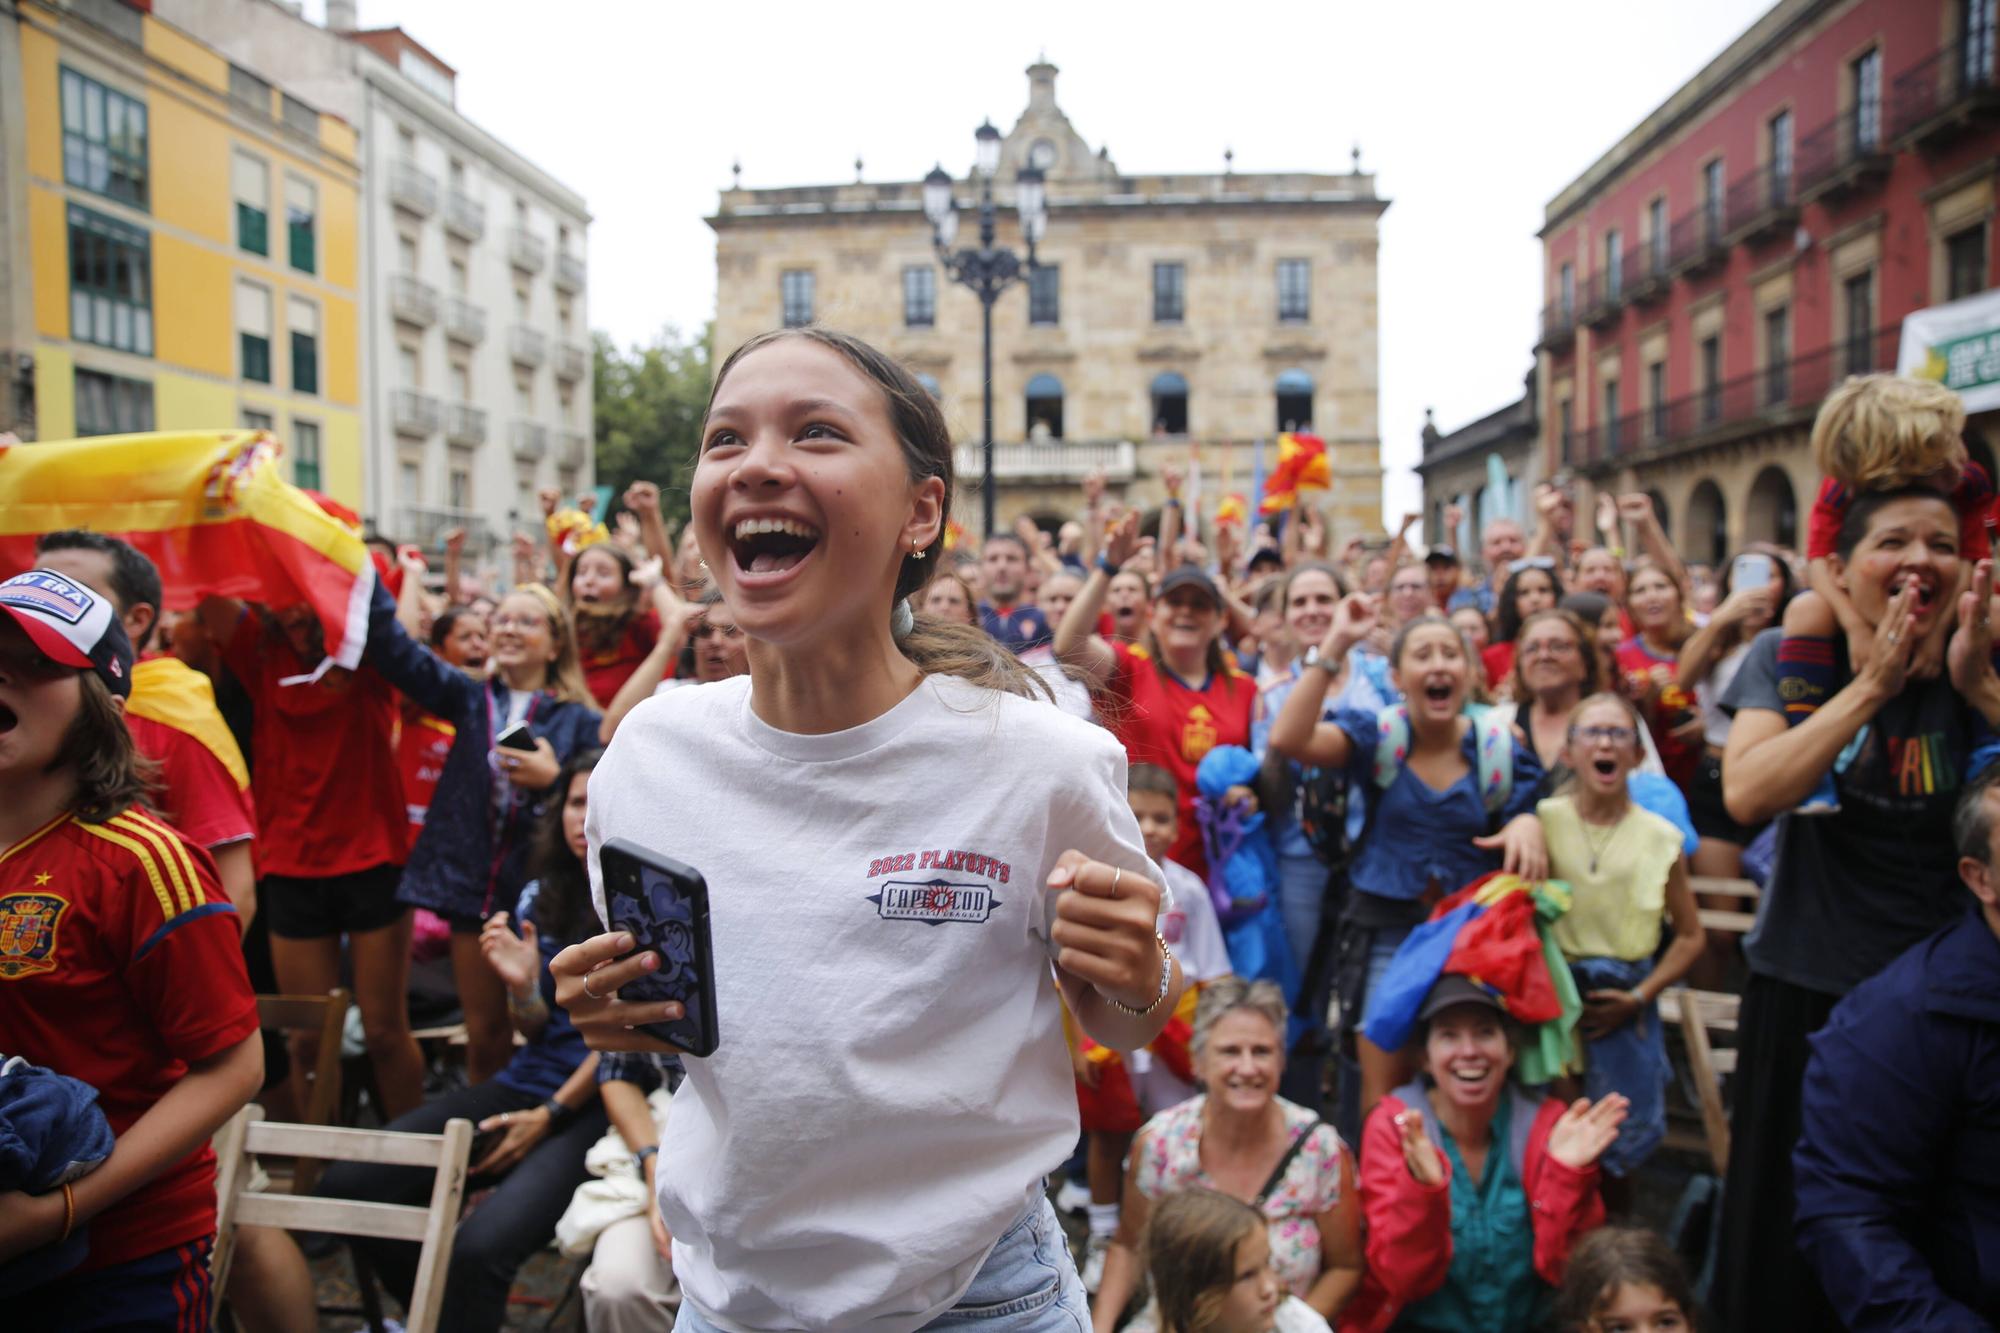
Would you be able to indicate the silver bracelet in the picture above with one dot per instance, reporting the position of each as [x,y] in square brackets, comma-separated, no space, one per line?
[1166,983]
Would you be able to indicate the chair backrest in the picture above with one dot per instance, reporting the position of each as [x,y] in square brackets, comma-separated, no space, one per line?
[1700,1015]
[325,1017]
[432,1226]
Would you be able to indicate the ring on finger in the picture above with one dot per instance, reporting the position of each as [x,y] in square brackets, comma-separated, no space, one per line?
[586,986]
[1117,873]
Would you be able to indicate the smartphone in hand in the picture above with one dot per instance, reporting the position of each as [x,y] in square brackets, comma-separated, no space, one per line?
[664,906]
[516,737]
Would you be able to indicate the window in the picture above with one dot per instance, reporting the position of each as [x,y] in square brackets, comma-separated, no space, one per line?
[524,392]
[249,92]
[305,454]
[412,481]
[112,404]
[461,381]
[919,296]
[1611,408]
[253,331]
[1860,293]
[1294,290]
[1711,200]
[1044,294]
[1866,77]
[303,317]
[110,283]
[1565,424]
[1965,262]
[1170,403]
[104,140]
[1045,406]
[299,118]
[255,420]
[1566,291]
[1614,264]
[459,276]
[1295,400]
[1169,293]
[1656,223]
[250,180]
[795,287]
[1656,393]
[1777,355]
[565,312]
[406,251]
[458,489]
[301,205]
[410,365]
[1711,378]
[1975,35]
[523,302]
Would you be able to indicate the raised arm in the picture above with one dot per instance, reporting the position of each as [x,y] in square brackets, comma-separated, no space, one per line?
[1297,732]
[643,499]
[1637,509]
[1077,641]
[410,596]
[644,680]
[454,567]
[435,684]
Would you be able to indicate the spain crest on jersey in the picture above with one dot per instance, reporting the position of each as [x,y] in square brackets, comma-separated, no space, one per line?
[28,933]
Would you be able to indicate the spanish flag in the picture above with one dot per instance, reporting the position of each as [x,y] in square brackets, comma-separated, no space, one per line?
[1302,466]
[1233,509]
[213,511]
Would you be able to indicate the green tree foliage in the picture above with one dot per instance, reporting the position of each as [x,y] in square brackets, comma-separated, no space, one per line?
[649,401]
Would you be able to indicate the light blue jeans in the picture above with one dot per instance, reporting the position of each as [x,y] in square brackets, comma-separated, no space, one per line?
[1301,901]
[1027,1285]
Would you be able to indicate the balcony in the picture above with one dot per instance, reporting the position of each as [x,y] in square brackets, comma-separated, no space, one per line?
[1603,293]
[1841,157]
[412,188]
[1787,393]
[1558,324]
[527,346]
[463,321]
[1761,205]
[426,525]
[412,300]
[530,441]
[572,361]
[569,274]
[414,414]
[1647,276]
[1694,242]
[1949,94]
[527,251]
[1050,461]
[465,424]
[572,449]
[464,216]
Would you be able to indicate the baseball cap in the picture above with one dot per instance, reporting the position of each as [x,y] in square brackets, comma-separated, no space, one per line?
[1187,576]
[1441,555]
[71,624]
[1452,989]
[1265,555]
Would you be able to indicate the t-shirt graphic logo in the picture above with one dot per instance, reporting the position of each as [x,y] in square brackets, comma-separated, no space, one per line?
[933,902]
[28,933]
[1197,734]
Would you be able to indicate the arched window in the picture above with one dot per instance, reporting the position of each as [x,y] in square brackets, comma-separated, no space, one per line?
[1295,400]
[1045,405]
[1660,508]
[1772,512]
[1705,540]
[1170,403]
[929,381]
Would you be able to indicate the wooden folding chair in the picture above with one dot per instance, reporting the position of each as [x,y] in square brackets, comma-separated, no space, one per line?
[325,1016]
[1698,1012]
[1743,893]
[433,1227]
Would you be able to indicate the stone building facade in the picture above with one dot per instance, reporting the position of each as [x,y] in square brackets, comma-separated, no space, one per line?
[1173,314]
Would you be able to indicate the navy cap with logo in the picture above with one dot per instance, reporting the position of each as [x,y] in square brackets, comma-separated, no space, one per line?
[72,624]
[1187,576]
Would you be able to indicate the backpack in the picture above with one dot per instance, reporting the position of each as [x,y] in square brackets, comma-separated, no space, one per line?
[1495,752]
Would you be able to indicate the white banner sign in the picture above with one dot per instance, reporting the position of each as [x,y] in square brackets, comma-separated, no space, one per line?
[1958,345]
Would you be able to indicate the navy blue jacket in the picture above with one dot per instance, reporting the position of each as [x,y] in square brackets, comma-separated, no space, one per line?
[51,1131]
[1897,1171]
[470,860]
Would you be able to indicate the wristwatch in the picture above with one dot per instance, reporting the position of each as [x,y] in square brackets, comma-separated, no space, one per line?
[1110,570]
[559,1115]
[639,1158]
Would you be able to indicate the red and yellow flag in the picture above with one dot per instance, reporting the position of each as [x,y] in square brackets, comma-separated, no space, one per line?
[1302,466]
[213,511]
[1233,509]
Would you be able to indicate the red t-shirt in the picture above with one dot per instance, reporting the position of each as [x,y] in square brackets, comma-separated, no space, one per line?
[119,965]
[1653,683]
[606,672]
[1160,720]
[1498,660]
[422,746]
[328,795]
[1973,500]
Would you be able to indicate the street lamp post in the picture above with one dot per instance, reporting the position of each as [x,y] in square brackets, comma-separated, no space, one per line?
[990,269]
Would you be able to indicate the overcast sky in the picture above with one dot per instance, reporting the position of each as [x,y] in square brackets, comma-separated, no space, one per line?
[1472,114]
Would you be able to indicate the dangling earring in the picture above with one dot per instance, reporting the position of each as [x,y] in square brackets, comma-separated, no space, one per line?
[916,553]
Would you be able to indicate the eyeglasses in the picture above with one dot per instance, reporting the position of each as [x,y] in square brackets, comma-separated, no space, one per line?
[718,632]
[1616,735]
[519,622]
[1549,648]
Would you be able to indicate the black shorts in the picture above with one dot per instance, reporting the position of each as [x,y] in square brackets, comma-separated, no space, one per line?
[314,909]
[1711,816]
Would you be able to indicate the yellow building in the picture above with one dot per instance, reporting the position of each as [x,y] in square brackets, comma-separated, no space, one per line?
[178,242]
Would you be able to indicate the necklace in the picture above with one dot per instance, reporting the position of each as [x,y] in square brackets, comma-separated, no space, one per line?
[1597,847]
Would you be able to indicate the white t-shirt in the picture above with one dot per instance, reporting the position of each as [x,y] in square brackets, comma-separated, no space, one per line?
[1200,947]
[892,1082]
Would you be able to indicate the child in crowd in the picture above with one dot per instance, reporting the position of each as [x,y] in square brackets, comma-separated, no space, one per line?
[1210,1260]
[1625,870]
[1625,1280]
[1874,433]
[119,966]
[1116,1093]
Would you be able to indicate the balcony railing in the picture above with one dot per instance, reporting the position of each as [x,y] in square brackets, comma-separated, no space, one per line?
[413,413]
[530,440]
[463,321]
[464,216]
[569,274]
[528,347]
[425,526]
[527,251]
[1694,242]
[1945,94]
[1603,293]
[465,424]
[1778,394]
[413,300]
[1836,158]
[1558,323]
[1053,460]
[1646,273]
[1761,203]
[413,188]
[572,361]
[572,448]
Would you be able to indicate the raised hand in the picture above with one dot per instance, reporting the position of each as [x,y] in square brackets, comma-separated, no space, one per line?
[1121,540]
[1970,656]
[1607,516]
[642,497]
[454,540]
[515,959]
[1093,488]
[549,497]
[1636,507]
[1353,620]
[1586,1130]
[1173,477]
[1887,666]
[1420,1155]
[1454,518]
[647,572]
[411,561]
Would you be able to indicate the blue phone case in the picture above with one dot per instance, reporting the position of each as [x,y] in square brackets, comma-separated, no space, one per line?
[664,905]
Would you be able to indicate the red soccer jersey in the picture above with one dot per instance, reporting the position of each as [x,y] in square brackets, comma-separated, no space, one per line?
[1653,682]
[329,798]
[1160,720]
[421,749]
[196,793]
[119,965]
[1973,500]
[606,672]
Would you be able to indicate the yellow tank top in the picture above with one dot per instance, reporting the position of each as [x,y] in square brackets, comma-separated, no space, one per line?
[1615,910]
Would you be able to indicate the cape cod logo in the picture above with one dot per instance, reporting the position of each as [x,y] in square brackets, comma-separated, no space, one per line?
[933,902]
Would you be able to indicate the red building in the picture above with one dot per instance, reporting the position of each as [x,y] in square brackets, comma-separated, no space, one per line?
[1757,238]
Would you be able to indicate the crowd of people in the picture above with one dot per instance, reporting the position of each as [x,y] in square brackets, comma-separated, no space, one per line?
[1223,782]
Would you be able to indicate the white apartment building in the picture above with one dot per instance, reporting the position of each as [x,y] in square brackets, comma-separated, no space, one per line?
[475,337]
